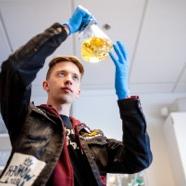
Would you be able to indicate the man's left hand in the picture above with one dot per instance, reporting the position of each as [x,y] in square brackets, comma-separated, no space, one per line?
[121,73]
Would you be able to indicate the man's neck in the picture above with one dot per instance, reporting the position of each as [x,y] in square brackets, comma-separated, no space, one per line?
[62,109]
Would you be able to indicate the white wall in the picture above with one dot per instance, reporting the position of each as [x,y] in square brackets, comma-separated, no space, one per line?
[5,148]
[174,129]
[99,110]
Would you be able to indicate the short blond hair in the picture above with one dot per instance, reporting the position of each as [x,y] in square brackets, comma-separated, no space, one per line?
[61,59]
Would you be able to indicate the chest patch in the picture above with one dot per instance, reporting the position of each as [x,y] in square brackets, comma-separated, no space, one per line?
[92,134]
[22,170]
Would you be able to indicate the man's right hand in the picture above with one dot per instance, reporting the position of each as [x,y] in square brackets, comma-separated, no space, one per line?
[79,19]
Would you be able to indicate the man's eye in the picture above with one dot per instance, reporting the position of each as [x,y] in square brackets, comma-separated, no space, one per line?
[61,74]
[75,77]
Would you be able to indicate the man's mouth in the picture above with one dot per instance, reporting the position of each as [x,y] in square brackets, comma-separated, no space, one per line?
[67,89]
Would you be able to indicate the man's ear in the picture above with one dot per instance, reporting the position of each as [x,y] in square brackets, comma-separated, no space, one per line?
[46,86]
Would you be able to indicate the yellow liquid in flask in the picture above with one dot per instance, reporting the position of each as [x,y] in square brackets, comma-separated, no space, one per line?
[95,49]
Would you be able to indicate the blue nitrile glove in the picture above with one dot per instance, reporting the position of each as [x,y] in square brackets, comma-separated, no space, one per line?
[79,19]
[121,73]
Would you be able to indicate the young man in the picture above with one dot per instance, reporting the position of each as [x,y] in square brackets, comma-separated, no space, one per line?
[48,146]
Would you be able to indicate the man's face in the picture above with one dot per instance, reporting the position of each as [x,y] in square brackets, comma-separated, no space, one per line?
[63,85]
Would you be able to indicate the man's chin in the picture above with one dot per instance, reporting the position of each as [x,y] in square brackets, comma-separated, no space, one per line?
[66,99]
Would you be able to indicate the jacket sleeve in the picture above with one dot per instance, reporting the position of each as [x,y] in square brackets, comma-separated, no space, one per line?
[134,153]
[18,72]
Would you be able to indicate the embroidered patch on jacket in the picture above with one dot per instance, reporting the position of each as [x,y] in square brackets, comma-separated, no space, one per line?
[92,134]
[22,170]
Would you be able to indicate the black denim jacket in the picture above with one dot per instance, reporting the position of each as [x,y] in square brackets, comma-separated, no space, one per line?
[35,132]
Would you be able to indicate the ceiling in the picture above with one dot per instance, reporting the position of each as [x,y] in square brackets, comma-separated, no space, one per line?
[154,32]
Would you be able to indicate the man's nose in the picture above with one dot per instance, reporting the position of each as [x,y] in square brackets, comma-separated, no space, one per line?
[68,80]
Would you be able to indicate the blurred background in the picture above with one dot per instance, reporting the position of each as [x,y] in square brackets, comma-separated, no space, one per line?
[154,32]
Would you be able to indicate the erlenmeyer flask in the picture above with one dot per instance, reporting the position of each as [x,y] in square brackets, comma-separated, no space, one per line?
[95,44]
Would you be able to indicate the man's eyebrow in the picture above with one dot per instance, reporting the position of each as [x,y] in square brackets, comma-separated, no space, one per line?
[61,71]
[74,73]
